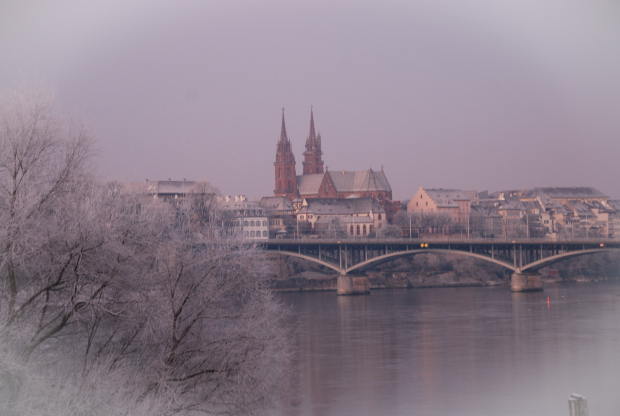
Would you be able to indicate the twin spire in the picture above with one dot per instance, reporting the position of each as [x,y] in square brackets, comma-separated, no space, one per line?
[312,142]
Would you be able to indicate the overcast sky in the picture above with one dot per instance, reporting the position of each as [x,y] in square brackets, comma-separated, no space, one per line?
[469,94]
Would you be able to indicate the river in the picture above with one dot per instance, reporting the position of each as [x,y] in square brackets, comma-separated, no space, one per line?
[457,351]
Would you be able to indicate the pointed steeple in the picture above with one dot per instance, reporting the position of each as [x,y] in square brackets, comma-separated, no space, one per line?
[311,140]
[312,163]
[283,136]
[285,176]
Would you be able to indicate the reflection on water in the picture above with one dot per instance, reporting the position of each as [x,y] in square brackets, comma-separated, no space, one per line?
[458,351]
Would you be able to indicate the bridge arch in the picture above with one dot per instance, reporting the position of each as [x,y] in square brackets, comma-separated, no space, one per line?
[392,256]
[539,264]
[309,258]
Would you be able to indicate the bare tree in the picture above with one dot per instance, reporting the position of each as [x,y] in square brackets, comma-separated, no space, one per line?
[440,220]
[115,303]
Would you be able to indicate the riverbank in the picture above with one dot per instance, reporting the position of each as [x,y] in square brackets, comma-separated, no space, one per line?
[292,274]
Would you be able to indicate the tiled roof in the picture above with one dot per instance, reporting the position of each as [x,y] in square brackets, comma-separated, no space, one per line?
[359,181]
[614,203]
[169,187]
[581,208]
[309,184]
[603,208]
[346,220]
[252,207]
[486,210]
[508,204]
[445,198]
[276,203]
[568,192]
[329,206]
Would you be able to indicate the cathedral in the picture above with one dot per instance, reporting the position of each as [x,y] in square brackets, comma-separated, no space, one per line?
[315,182]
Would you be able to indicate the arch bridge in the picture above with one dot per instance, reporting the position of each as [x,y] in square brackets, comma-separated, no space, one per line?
[523,257]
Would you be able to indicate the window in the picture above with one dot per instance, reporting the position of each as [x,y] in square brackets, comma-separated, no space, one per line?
[252,225]
[289,174]
[416,204]
[364,230]
[251,233]
[427,203]
[420,196]
[379,225]
[264,223]
[245,233]
[245,223]
[370,229]
[264,233]
[358,230]
[379,216]
[279,172]
[351,230]
[326,187]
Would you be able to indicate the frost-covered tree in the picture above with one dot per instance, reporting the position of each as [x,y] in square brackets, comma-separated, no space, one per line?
[114,303]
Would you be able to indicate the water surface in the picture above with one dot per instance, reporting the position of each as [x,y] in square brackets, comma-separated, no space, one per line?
[458,351]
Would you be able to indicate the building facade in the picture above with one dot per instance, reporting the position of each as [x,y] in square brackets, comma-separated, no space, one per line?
[452,202]
[249,217]
[358,217]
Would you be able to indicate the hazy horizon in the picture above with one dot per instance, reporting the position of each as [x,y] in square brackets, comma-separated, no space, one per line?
[470,95]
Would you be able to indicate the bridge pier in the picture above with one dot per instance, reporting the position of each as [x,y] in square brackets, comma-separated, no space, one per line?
[526,282]
[353,285]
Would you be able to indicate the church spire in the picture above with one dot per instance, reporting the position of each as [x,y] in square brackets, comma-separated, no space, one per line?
[311,140]
[285,176]
[283,136]
[312,163]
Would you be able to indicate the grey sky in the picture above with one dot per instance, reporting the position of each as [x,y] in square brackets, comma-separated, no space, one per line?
[471,94]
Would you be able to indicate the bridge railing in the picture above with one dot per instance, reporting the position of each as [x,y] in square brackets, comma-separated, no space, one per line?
[440,239]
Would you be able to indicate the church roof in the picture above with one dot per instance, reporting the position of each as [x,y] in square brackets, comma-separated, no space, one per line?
[359,181]
[309,184]
[345,181]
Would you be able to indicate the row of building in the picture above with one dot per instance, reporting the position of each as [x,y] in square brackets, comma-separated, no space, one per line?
[550,212]
[359,204]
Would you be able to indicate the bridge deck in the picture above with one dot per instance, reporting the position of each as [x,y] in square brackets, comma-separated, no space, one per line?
[349,255]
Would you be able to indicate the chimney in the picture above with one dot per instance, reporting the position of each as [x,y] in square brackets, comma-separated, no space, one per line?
[168,179]
[147,180]
[228,198]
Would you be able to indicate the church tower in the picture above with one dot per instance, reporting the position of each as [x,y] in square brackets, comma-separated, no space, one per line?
[286,178]
[312,156]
